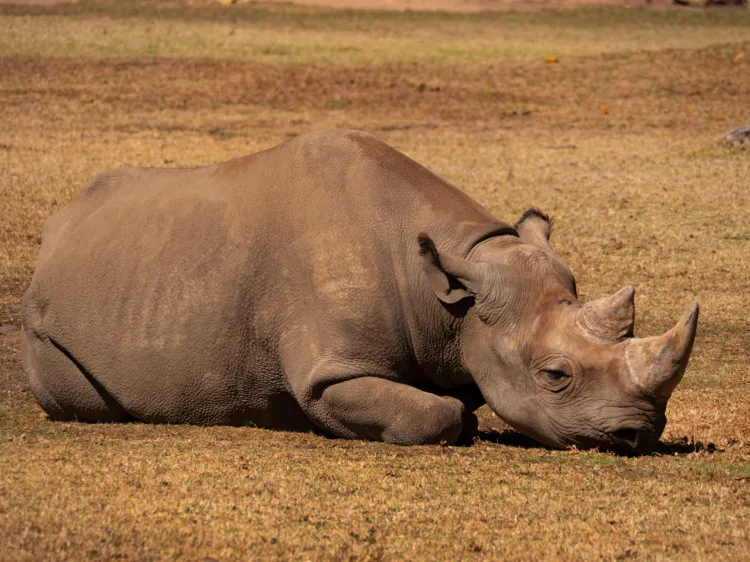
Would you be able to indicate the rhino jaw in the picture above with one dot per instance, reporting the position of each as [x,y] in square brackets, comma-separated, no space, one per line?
[656,364]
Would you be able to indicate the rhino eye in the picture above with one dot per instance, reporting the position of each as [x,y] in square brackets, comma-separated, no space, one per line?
[558,380]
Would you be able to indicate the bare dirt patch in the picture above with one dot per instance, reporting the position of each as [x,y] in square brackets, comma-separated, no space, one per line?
[476,5]
[37,2]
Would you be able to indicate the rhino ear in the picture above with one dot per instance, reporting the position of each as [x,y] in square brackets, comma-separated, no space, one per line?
[451,279]
[534,227]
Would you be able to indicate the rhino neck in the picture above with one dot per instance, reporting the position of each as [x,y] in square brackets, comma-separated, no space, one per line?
[421,202]
[436,329]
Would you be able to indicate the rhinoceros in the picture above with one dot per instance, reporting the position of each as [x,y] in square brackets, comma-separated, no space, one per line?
[331,284]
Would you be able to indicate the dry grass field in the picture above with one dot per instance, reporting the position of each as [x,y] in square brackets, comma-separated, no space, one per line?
[619,140]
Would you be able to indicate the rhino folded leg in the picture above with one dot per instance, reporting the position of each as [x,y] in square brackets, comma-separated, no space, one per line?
[64,391]
[375,408]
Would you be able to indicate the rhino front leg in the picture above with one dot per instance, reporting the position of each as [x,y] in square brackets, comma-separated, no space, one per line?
[383,410]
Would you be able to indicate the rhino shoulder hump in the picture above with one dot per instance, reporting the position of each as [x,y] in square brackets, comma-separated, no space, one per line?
[335,144]
[105,180]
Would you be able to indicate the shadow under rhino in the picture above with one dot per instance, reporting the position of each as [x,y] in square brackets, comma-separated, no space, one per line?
[681,446]
[332,284]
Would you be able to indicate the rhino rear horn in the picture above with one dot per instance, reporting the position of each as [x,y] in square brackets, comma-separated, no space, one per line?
[451,278]
[609,318]
[656,364]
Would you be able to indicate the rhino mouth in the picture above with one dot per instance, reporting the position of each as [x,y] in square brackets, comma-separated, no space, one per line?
[627,435]
[624,441]
[633,441]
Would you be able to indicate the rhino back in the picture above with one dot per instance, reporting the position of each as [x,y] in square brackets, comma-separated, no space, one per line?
[182,291]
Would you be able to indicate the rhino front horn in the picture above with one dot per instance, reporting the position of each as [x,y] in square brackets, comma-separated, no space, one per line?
[656,364]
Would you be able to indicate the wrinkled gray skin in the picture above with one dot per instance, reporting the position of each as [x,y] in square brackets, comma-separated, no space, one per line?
[331,283]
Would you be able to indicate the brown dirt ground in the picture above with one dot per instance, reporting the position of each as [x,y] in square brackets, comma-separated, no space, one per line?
[430,5]
[644,193]
[479,5]
[37,2]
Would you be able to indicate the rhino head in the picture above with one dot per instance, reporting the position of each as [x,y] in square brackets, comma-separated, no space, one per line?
[560,371]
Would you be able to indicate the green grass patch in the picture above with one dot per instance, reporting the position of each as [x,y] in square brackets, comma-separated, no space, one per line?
[289,34]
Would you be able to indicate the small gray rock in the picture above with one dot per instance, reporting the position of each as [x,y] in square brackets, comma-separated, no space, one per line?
[738,136]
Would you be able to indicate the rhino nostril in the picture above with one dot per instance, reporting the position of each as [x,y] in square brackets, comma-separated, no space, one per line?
[628,435]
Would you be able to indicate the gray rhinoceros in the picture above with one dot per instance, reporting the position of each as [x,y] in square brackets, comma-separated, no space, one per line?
[331,283]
